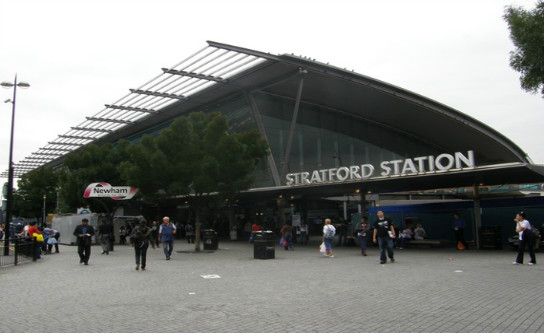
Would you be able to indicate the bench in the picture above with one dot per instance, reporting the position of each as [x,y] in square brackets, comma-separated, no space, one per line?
[426,242]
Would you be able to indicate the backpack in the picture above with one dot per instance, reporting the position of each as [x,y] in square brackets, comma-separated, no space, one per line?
[135,237]
[329,232]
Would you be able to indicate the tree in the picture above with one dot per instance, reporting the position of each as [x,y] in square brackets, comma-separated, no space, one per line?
[527,34]
[91,164]
[195,157]
[28,199]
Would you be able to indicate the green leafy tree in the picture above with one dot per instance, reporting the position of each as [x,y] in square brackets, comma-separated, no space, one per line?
[195,157]
[91,164]
[527,34]
[28,200]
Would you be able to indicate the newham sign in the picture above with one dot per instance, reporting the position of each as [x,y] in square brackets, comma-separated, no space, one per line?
[105,190]
[409,166]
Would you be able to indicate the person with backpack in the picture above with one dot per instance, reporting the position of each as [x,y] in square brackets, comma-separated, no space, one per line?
[328,237]
[141,236]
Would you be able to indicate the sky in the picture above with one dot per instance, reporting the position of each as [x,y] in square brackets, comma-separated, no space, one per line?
[78,55]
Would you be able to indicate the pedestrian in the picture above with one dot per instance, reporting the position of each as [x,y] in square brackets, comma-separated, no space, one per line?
[33,232]
[167,231]
[384,233]
[84,233]
[142,239]
[287,234]
[303,233]
[155,232]
[122,235]
[328,237]
[459,225]
[342,231]
[362,233]
[105,231]
[526,239]
[190,233]
[53,240]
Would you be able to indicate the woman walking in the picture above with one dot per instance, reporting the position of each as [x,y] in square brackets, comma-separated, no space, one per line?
[526,238]
[328,237]
[142,238]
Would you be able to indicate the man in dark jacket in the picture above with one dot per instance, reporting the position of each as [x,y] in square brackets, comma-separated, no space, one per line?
[84,233]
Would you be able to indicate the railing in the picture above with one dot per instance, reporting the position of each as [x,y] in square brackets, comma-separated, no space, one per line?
[21,250]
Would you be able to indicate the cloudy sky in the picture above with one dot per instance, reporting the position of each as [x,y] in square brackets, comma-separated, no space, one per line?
[78,55]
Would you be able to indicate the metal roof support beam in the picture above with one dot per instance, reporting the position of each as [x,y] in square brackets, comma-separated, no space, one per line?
[260,126]
[68,143]
[73,137]
[88,129]
[57,149]
[129,108]
[159,94]
[194,75]
[108,120]
[292,129]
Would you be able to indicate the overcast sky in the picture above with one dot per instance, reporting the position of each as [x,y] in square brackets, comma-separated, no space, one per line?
[79,55]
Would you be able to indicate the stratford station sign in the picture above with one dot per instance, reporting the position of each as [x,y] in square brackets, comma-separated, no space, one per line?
[409,166]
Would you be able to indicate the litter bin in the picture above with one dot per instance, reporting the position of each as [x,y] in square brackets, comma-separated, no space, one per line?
[490,238]
[209,237]
[264,245]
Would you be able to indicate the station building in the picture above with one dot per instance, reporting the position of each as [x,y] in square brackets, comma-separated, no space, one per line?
[341,143]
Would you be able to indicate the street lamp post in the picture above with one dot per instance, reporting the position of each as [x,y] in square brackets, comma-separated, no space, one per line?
[10,167]
[43,221]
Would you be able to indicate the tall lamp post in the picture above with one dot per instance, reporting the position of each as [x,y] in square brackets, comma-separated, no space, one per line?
[10,167]
[43,222]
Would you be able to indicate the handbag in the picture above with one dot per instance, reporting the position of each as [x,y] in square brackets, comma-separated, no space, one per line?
[281,241]
[39,237]
[323,249]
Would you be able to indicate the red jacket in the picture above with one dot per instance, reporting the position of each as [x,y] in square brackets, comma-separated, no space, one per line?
[33,230]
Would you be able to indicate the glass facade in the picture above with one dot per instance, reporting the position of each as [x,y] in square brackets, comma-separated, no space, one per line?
[326,138]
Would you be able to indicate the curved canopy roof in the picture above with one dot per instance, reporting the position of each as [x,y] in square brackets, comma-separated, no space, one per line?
[220,70]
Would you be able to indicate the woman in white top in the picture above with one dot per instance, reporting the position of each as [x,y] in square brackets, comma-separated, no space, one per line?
[526,238]
[419,232]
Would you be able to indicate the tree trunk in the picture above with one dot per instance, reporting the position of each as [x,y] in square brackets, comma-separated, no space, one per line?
[197,228]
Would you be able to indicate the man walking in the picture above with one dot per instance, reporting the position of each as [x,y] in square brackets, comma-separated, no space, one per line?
[384,233]
[84,233]
[105,231]
[167,231]
[458,225]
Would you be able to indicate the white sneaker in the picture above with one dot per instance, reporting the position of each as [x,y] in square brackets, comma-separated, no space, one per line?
[531,263]
[516,263]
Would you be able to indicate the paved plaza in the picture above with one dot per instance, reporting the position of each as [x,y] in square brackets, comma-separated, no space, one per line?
[425,290]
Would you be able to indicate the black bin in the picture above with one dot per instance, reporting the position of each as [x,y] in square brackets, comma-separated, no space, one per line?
[490,237]
[209,237]
[264,245]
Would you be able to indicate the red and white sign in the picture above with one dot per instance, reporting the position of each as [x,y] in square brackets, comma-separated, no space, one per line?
[105,190]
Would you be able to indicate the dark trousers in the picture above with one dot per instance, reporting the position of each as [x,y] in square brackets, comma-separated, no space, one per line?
[84,252]
[460,237]
[526,241]
[140,251]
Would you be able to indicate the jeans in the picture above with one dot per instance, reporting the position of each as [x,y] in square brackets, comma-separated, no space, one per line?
[385,244]
[328,243]
[140,250]
[168,247]
[362,242]
[289,239]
